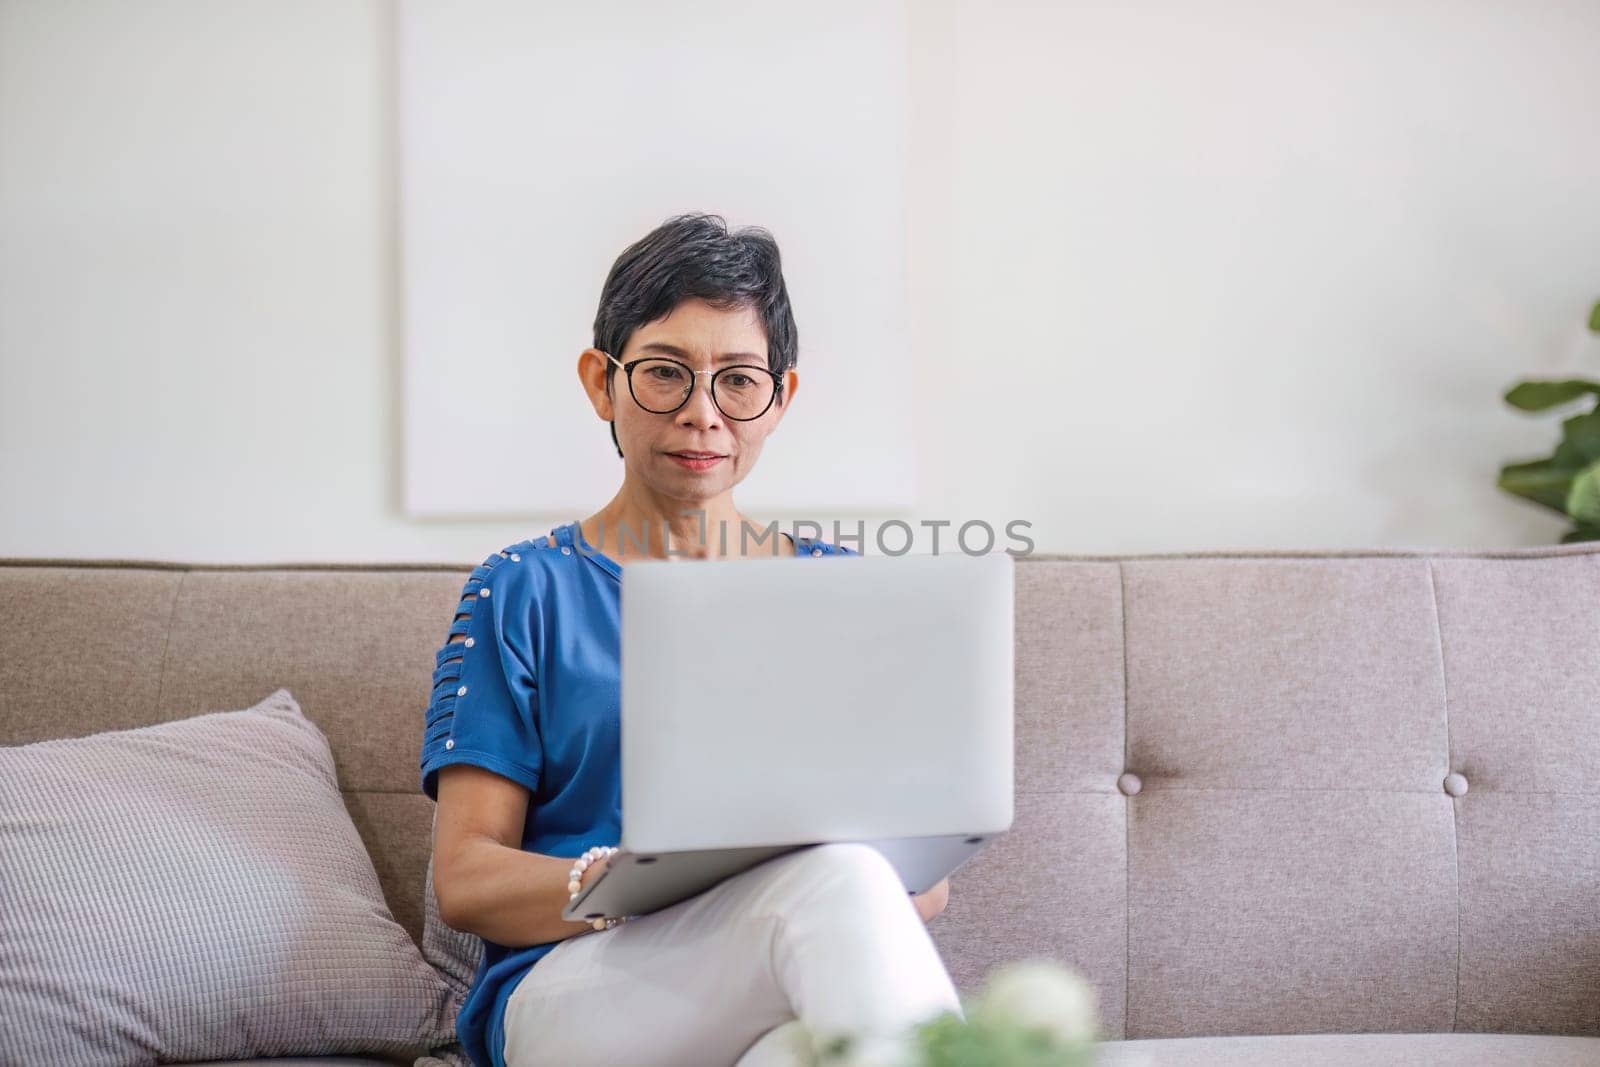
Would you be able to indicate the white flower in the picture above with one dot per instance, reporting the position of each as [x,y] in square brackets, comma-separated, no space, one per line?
[1039,995]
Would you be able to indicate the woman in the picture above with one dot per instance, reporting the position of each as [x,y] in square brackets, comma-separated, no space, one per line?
[693,367]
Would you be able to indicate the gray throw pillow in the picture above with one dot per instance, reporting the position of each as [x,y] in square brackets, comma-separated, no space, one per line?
[195,890]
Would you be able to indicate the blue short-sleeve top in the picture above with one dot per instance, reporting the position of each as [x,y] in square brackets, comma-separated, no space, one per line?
[530,691]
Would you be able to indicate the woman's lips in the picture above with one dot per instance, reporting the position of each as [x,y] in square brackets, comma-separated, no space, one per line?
[695,463]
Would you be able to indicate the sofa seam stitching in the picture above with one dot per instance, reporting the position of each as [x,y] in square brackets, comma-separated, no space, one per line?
[1455,833]
[166,640]
[1127,818]
[1530,553]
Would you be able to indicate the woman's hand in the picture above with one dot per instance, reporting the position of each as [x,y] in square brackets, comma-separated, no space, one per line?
[933,901]
[585,880]
[592,872]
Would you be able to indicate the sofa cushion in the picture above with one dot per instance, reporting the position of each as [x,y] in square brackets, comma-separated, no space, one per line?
[1342,1050]
[299,1061]
[196,890]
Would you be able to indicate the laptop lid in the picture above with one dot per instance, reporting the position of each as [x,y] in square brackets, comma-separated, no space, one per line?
[795,700]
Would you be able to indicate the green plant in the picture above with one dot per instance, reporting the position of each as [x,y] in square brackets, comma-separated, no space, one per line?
[1568,480]
[1031,1013]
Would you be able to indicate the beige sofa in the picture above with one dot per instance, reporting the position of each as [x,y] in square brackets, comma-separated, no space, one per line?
[1286,808]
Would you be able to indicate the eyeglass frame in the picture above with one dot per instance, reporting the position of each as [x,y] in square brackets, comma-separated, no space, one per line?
[627,370]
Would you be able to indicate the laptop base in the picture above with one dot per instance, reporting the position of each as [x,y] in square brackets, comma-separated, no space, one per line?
[638,883]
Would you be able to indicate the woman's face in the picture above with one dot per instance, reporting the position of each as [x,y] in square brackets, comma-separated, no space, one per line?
[705,338]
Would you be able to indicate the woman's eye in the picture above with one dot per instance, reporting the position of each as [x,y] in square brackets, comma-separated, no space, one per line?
[739,381]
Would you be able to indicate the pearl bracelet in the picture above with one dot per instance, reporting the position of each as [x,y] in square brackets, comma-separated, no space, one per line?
[575,881]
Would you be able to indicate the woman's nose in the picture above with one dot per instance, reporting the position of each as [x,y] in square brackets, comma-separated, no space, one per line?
[700,409]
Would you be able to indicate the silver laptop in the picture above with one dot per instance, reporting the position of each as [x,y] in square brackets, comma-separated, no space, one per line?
[772,704]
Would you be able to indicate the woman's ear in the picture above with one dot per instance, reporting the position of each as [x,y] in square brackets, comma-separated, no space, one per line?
[592,365]
[791,386]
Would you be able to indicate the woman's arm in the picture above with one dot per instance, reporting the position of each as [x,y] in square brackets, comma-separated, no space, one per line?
[484,882]
[933,901]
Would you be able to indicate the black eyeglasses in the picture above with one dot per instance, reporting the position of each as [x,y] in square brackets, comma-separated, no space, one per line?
[742,391]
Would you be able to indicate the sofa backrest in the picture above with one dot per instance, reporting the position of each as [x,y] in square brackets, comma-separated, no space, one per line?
[1269,792]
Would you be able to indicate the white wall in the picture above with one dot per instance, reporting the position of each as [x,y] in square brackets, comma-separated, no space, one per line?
[498,286]
[1275,262]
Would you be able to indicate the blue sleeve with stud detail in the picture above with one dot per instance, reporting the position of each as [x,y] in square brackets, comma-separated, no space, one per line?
[482,710]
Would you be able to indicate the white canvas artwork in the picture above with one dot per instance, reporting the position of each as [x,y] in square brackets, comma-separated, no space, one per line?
[539,141]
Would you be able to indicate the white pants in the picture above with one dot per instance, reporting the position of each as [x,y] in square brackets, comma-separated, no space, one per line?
[826,935]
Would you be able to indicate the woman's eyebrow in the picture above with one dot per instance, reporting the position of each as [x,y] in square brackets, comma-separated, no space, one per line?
[726,357]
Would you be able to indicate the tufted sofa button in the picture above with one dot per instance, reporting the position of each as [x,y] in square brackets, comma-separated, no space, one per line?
[1129,783]
[1455,784]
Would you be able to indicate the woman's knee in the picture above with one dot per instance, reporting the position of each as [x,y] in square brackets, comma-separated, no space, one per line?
[854,856]
[851,867]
